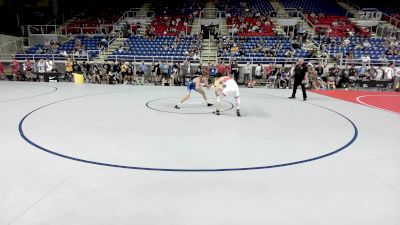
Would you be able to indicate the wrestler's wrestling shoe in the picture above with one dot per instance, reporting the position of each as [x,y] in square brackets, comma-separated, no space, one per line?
[177,107]
[209,104]
[238,112]
[216,112]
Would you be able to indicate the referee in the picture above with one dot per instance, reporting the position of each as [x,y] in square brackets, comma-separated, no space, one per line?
[299,75]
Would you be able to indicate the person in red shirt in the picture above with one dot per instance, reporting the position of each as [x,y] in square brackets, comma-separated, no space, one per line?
[1,71]
[15,70]
[28,69]
[221,69]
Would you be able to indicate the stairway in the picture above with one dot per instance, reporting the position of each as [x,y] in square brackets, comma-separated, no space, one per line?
[210,11]
[281,13]
[113,47]
[354,12]
[348,8]
[279,9]
[223,27]
[195,26]
[208,51]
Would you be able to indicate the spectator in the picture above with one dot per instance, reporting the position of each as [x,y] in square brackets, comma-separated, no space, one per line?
[86,70]
[28,69]
[49,66]
[68,69]
[1,71]
[247,70]
[15,70]
[258,74]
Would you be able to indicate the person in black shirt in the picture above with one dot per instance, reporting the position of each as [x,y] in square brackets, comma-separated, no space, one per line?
[235,71]
[299,75]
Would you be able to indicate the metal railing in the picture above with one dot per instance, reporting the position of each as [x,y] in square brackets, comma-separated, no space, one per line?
[13,46]
[40,29]
[271,60]
[359,62]
[59,20]
[137,58]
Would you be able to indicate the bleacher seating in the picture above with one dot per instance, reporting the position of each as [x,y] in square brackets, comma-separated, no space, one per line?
[327,7]
[90,25]
[141,48]
[161,25]
[264,30]
[341,28]
[387,6]
[374,52]
[235,8]
[247,44]
[89,43]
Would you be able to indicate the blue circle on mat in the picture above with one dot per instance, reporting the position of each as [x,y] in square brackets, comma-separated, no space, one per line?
[21,131]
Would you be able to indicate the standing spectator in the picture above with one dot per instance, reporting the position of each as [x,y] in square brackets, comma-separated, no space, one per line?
[300,71]
[320,72]
[86,71]
[68,69]
[50,66]
[153,69]
[396,83]
[41,69]
[106,71]
[247,80]
[96,74]
[235,71]
[140,73]
[28,69]
[16,75]
[213,72]
[1,71]
[221,69]
[390,72]
[258,73]
[185,71]
[175,74]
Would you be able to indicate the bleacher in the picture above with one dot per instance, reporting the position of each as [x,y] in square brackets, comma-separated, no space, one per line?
[387,6]
[235,8]
[89,43]
[376,50]
[248,43]
[161,25]
[342,28]
[264,30]
[327,7]
[140,48]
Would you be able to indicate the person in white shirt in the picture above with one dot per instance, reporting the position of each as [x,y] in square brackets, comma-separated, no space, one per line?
[396,82]
[366,60]
[248,79]
[258,74]
[390,72]
[49,66]
[41,66]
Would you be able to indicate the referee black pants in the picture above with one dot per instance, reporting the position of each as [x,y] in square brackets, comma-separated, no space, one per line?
[303,88]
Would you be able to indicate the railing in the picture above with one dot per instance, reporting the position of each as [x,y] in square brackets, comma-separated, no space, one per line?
[13,46]
[59,20]
[55,57]
[102,29]
[273,60]
[359,62]
[394,21]
[41,29]
[136,58]
[136,14]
